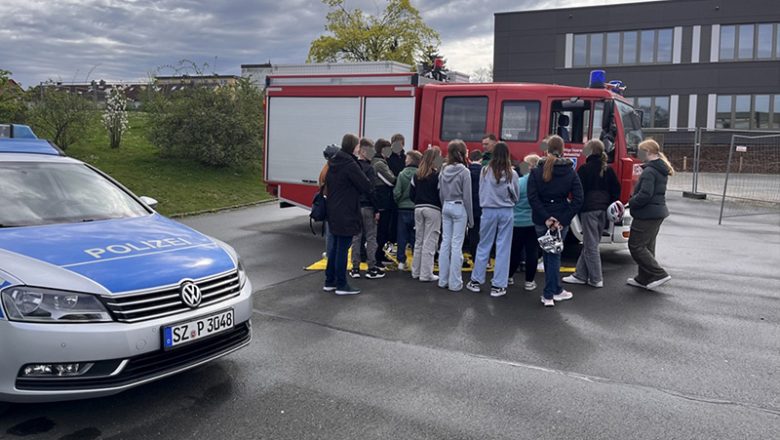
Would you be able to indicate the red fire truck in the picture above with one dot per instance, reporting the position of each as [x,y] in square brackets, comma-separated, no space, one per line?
[304,113]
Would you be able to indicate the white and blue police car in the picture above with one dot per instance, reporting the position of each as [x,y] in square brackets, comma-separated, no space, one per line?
[98,292]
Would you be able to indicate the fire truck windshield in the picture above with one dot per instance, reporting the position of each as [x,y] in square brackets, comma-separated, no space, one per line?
[632,126]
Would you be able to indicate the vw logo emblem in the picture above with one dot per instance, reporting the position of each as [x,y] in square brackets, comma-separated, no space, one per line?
[190,294]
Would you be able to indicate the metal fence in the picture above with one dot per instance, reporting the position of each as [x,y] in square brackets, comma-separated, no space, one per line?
[706,159]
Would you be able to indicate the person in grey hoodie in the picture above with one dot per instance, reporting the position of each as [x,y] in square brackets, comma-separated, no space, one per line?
[457,214]
[648,207]
[498,193]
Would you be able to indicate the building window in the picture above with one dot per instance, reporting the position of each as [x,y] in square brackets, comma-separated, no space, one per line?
[580,49]
[746,112]
[727,35]
[664,46]
[745,51]
[629,48]
[760,117]
[613,48]
[776,111]
[764,41]
[747,42]
[464,117]
[520,121]
[655,111]
[723,111]
[596,54]
[623,48]
[742,112]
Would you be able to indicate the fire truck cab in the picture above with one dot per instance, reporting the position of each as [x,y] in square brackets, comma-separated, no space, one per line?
[306,112]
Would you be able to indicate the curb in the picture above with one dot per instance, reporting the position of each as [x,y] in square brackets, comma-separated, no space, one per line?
[223,209]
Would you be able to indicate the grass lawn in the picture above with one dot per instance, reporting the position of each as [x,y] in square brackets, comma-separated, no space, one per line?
[179,186]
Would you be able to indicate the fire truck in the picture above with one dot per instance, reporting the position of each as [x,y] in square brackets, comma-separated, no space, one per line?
[307,111]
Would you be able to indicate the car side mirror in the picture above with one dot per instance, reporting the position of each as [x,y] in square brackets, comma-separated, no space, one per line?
[150,202]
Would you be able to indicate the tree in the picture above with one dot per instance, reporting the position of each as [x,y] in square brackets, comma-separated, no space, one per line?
[12,108]
[397,35]
[61,116]
[482,75]
[115,116]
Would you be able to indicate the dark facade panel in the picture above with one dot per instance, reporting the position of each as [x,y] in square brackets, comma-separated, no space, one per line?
[531,47]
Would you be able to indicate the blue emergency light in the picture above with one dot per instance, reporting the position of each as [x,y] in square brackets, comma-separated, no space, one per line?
[597,79]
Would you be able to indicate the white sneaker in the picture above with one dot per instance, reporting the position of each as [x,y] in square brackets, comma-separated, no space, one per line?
[473,286]
[510,281]
[431,279]
[571,279]
[599,284]
[529,285]
[495,292]
[402,266]
[635,283]
[658,283]
[548,302]
[563,296]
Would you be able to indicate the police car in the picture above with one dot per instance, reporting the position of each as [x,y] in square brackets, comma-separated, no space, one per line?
[98,292]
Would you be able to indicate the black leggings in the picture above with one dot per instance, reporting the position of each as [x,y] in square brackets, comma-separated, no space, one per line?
[524,243]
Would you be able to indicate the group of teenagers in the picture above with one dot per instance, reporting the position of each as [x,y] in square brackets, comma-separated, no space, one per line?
[484,204]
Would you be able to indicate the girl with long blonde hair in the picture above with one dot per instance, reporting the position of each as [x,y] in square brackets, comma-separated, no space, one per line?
[648,208]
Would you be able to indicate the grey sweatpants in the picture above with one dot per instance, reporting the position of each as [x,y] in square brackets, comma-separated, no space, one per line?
[589,263]
[427,226]
[369,229]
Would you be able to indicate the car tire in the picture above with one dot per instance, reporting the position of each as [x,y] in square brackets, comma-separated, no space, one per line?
[4,407]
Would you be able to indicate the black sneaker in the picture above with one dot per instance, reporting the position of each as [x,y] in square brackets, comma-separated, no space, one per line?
[374,273]
[354,273]
[347,290]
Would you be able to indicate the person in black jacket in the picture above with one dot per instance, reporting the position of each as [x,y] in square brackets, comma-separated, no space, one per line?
[601,187]
[475,168]
[369,217]
[344,184]
[424,192]
[397,159]
[648,208]
[549,187]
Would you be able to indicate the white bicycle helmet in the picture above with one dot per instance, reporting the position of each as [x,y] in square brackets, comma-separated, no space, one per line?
[615,212]
[551,242]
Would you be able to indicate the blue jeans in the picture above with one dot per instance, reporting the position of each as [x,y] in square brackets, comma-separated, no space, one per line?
[453,223]
[405,232]
[336,270]
[496,225]
[552,266]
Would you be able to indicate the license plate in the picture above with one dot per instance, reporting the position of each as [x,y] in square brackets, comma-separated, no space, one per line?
[187,332]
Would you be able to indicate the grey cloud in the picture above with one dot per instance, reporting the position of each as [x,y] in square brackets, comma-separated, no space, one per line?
[126,40]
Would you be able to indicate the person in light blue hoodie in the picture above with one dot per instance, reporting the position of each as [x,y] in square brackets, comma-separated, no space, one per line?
[524,244]
[457,215]
[498,193]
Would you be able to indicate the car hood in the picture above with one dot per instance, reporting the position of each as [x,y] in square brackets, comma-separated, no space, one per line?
[118,255]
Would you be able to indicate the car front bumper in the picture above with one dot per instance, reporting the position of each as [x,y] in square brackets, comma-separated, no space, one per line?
[125,355]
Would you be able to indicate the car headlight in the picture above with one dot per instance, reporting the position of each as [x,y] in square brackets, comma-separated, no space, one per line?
[34,304]
[241,274]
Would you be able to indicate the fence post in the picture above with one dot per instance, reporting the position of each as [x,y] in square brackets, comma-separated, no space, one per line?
[693,193]
[726,182]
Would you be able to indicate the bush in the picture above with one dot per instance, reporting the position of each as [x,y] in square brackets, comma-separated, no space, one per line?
[215,126]
[61,116]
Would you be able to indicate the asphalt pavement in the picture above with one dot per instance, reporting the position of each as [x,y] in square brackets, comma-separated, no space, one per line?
[700,358]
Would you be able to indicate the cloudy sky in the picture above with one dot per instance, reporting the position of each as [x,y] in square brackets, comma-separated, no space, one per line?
[81,40]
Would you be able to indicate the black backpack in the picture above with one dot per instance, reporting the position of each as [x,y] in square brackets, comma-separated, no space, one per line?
[319,210]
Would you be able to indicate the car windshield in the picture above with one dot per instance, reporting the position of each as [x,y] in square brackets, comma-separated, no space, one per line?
[48,193]
[632,126]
